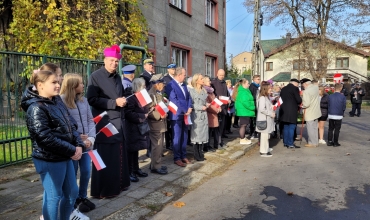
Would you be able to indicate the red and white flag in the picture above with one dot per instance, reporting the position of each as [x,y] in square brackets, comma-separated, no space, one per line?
[224,99]
[187,120]
[143,97]
[216,102]
[96,159]
[278,103]
[162,108]
[109,130]
[172,107]
[300,91]
[99,117]
[229,110]
[165,100]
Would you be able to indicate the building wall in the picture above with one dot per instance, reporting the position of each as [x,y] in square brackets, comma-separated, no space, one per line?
[283,62]
[170,26]
[242,61]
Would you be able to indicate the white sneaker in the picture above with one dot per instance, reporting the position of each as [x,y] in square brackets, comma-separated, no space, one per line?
[245,141]
[77,215]
[270,149]
[322,141]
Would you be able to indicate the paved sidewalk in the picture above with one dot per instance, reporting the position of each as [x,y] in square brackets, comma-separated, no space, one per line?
[22,198]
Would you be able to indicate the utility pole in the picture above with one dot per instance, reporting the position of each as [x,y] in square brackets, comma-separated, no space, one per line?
[258,19]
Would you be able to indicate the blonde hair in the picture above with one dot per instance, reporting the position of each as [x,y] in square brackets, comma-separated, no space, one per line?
[228,82]
[194,82]
[70,83]
[40,76]
[236,87]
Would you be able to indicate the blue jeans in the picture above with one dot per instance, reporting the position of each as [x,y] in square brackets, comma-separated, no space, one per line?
[60,188]
[180,137]
[85,169]
[289,133]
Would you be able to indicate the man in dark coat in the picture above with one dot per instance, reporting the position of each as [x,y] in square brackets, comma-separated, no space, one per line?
[148,72]
[289,111]
[105,93]
[167,79]
[179,95]
[356,98]
[220,89]
[254,88]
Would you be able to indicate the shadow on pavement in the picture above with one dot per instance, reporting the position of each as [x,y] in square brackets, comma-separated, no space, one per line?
[286,207]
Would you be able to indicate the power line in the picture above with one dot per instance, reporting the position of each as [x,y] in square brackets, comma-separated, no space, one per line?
[235,18]
[237,23]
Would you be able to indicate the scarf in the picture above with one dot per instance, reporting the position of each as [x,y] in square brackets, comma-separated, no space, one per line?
[257,85]
[208,89]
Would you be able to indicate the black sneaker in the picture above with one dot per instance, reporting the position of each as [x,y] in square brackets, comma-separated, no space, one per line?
[78,201]
[266,154]
[86,205]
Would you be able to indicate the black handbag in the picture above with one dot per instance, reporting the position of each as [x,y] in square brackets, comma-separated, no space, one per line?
[261,125]
[144,127]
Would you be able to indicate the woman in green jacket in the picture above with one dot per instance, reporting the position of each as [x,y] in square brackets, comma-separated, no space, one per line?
[245,108]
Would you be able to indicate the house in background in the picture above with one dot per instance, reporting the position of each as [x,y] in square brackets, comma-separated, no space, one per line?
[366,47]
[242,62]
[284,59]
[189,33]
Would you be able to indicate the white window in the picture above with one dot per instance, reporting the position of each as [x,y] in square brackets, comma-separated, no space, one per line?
[210,66]
[180,57]
[181,4]
[210,13]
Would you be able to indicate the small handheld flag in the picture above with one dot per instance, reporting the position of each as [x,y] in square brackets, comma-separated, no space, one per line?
[161,108]
[96,159]
[224,99]
[143,97]
[216,102]
[109,130]
[278,103]
[99,117]
[187,120]
[172,107]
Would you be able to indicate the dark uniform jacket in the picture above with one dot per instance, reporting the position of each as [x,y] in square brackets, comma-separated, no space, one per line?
[147,76]
[291,101]
[357,99]
[102,91]
[220,89]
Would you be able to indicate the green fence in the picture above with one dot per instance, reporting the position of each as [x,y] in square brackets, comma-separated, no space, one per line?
[15,145]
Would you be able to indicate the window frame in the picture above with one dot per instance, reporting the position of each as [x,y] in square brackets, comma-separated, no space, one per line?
[211,22]
[341,61]
[214,64]
[268,66]
[188,51]
[300,62]
[152,50]
[185,6]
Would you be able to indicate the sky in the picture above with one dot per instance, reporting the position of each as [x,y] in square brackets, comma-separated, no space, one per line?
[239,29]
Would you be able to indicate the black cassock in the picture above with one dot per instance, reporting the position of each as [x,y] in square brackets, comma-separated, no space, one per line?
[102,91]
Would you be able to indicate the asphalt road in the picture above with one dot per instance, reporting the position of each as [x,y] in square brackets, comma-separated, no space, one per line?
[306,183]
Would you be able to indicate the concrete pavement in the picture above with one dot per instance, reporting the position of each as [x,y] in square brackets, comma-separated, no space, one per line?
[306,183]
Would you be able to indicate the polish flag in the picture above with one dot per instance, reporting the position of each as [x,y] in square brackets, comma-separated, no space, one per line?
[229,110]
[99,117]
[143,97]
[172,107]
[224,99]
[96,159]
[216,102]
[165,99]
[300,91]
[109,130]
[187,120]
[162,108]
[278,103]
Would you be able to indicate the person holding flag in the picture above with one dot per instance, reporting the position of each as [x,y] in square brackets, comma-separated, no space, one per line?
[136,114]
[199,127]
[105,93]
[178,94]
[78,107]
[157,121]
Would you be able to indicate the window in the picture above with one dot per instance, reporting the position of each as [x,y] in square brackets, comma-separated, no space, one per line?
[181,4]
[298,64]
[342,62]
[151,45]
[210,66]
[180,57]
[245,59]
[315,45]
[269,66]
[210,13]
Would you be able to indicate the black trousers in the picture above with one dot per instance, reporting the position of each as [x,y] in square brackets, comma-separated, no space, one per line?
[228,118]
[252,125]
[221,126]
[354,107]
[334,127]
[168,135]
[216,137]
[133,161]
[236,120]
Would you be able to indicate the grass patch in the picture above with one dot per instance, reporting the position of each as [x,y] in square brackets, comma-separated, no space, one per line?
[11,152]
[154,208]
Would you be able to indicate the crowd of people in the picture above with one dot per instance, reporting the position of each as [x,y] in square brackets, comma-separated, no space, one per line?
[61,122]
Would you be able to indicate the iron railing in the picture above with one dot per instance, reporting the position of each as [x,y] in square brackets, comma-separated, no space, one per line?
[15,144]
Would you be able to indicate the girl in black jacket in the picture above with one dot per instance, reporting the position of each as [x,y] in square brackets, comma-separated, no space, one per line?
[55,142]
[324,113]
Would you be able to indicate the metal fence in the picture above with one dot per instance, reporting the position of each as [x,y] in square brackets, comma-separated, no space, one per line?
[15,145]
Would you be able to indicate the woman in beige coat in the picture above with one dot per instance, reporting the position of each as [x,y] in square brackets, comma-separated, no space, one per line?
[265,112]
[158,126]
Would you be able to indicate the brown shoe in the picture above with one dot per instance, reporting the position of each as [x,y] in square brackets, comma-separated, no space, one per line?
[180,163]
[310,145]
[185,160]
